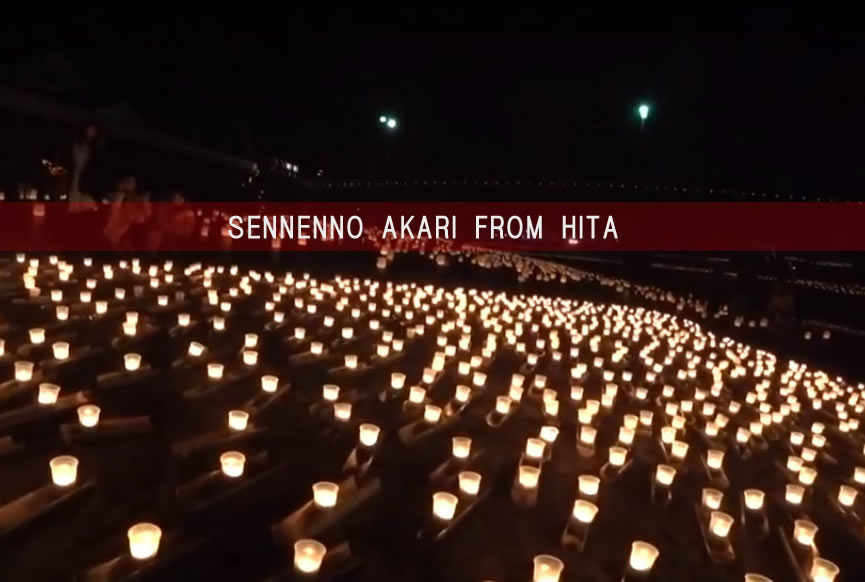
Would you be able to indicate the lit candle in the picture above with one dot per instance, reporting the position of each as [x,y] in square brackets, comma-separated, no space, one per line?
[232,463]
[269,383]
[646,417]
[237,420]
[195,349]
[64,470]
[308,555]
[589,485]
[665,474]
[469,482]
[807,475]
[528,476]
[48,393]
[643,556]
[793,494]
[88,415]
[588,435]
[461,447]
[846,496]
[715,459]
[214,370]
[712,498]
[444,505]
[330,392]
[618,456]
[535,448]
[463,393]
[823,570]
[432,413]
[503,404]
[23,371]
[547,568]
[369,434]
[584,511]
[549,434]
[129,328]
[250,340]
[679,450]
[101,307]
[720,524]
[668,435]
[325,494]
[754,499]
[250,357]
[397,380]
[342,411]
[479,379]
[756,578]
[183,319]
[416,394]
[61,350]
[804,532]
[144,540]
[37,335]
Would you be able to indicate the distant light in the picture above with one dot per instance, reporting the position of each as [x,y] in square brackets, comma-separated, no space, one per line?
[391,123]
[643,110]
[382,119]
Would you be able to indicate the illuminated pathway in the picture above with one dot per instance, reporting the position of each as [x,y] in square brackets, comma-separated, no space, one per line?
[173,422]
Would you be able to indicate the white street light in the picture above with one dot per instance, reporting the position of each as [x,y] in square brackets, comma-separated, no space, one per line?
[643,111]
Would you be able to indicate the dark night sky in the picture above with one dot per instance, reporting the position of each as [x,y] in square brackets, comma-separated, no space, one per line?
[762,103]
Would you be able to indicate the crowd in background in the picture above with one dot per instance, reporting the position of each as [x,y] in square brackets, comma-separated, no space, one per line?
[82,172]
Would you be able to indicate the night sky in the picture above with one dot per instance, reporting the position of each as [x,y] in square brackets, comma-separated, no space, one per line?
[758,101]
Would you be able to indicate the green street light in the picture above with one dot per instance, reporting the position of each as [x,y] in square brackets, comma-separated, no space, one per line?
[643,111]
[388,121]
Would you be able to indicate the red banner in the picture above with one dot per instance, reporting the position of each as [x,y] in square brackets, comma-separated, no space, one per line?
[601,226]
